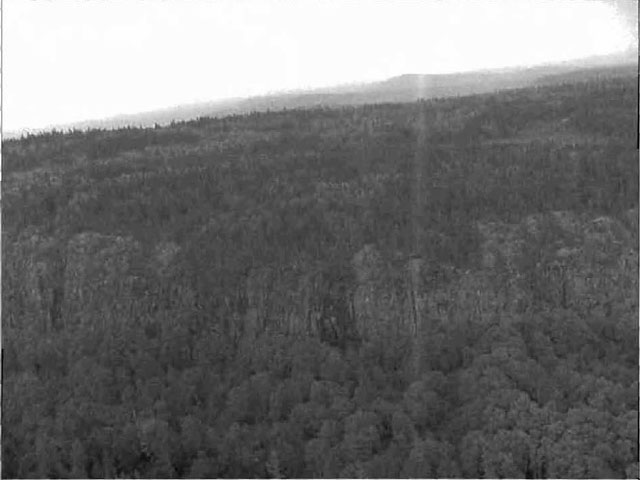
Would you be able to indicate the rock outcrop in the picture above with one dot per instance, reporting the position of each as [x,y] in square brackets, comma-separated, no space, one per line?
[561,258]
[99,277]
[32,271]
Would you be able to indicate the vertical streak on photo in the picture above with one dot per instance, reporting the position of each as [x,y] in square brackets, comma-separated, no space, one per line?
[419,159]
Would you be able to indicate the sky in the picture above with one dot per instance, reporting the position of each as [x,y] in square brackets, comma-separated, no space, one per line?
[71,60]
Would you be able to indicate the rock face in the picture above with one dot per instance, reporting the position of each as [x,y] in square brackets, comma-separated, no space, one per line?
[367,264]
[258,301]
[558,259]
[32,270]
[282,300]
[164,255]
[54,287]
[562,259]
[98,277]
[389,300]
[297,301]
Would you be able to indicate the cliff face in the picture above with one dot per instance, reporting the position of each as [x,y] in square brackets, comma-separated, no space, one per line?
[32,266]
[93,276]
[578,262]
[368,299]
[564,259]
[98,272]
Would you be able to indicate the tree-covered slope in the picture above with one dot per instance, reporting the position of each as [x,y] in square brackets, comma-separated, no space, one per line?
[444,288]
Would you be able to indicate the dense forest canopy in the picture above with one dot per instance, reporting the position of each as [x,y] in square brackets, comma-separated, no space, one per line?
[444,288]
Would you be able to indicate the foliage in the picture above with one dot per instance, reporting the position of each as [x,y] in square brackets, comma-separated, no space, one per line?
[437,289]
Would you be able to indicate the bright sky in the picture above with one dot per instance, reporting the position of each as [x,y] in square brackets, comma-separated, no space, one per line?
[66,61]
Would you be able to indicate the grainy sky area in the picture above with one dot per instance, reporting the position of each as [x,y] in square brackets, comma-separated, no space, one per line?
[66,61]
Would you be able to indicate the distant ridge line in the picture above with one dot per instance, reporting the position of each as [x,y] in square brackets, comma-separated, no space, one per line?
[402,88]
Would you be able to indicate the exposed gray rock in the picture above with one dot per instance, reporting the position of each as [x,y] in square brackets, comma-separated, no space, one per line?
[32,268]
[98,275]
[582,259]
[368,295]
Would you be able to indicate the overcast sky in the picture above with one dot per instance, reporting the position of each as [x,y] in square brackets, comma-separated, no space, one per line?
[66,61]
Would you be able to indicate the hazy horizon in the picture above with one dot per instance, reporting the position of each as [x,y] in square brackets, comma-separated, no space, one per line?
[66,63]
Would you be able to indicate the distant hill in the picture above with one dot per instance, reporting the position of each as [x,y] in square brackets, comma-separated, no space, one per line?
[403,88]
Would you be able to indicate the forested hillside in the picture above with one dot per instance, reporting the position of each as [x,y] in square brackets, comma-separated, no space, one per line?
[446,288]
